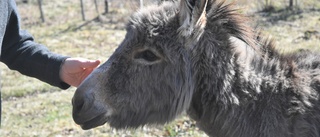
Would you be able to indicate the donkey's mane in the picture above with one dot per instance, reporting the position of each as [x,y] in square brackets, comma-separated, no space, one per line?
[225,15]
[230,19]
[236,24]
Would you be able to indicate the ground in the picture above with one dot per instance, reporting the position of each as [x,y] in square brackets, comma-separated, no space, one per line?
[33,108]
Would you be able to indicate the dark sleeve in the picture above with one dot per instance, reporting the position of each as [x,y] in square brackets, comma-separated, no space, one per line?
[20,52]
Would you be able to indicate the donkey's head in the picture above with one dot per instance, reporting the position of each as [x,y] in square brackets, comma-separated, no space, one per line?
[148,79]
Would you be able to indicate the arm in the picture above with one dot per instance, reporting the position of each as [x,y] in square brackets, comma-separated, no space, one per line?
[19,52]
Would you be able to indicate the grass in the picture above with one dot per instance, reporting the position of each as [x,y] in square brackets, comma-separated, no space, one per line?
[289,31]
[34,108]
[50,115]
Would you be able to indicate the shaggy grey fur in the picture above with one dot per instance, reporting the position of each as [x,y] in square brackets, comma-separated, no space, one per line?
[199,56]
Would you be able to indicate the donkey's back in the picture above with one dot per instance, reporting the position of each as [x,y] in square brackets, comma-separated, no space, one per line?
[307,81]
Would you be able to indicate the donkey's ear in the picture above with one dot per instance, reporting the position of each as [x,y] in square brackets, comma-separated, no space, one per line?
[192,17]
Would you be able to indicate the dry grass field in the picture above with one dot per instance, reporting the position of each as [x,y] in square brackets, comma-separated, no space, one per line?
[34,108]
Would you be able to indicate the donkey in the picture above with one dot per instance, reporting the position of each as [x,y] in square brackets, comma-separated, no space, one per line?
[200,57]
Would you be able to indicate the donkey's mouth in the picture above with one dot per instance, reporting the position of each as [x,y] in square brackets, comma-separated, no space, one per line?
[95,122]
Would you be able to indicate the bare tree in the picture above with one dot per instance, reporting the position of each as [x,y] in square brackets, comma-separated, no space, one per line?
[106,6]
[141,4]
[41,11]
[268,3]
[293,3]
[96,6]
[290,3]
[82,10]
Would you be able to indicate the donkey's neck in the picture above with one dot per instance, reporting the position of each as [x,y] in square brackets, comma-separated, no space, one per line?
[230,74]
[231,68]
[215,71]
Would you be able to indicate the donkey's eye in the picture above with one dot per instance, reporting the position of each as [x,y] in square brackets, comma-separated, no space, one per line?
[147,55]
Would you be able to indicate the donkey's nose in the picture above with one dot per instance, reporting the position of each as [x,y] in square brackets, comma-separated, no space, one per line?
[82,101]
[77,103]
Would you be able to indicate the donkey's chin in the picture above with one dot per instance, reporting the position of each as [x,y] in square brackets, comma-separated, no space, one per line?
[95,122]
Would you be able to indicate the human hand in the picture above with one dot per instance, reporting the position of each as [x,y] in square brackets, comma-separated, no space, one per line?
[75,70]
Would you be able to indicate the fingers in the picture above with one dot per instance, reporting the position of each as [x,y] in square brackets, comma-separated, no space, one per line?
[75,70]
[90,63]
[84,63]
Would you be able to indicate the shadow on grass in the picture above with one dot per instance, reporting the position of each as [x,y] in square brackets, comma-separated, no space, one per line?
[71,28]
[274,15]
[109,21]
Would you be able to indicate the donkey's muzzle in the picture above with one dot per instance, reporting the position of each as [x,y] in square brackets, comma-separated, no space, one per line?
[87,112]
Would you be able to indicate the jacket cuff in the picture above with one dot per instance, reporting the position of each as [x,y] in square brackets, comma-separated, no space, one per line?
[53,71]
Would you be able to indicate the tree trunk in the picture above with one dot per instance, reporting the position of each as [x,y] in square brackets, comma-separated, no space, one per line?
[25,1]
[41,11]
[290,3]
[141,4]
[82,10]
[106,6]
[96,6]
[267,3]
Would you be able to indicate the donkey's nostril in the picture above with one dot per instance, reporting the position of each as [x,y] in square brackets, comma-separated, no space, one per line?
[87,111]
[81,101]
[77,103]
